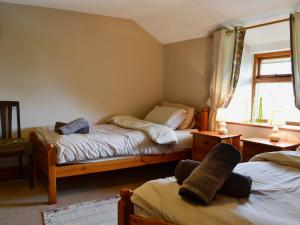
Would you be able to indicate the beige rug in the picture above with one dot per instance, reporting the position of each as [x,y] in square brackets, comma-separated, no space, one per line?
[97,212]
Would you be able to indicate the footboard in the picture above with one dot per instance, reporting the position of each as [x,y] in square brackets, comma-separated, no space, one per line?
[46,158]
[126,214]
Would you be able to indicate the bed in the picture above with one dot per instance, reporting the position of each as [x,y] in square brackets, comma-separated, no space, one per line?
[55,166]
[274,199]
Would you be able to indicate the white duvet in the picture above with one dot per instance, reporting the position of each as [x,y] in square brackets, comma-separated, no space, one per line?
[274,200]
[158,133]
[126,137]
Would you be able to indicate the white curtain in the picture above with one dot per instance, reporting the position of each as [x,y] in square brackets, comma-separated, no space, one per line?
[295,49]
[222,57]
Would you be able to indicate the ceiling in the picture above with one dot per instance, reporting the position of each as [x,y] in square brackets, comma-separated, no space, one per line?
[177,20]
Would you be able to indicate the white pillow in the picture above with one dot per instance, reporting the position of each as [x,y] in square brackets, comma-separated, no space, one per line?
[168,116]
[190,114]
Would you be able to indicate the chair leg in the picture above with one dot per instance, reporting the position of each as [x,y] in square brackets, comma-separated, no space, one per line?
[31,164]
[20,166]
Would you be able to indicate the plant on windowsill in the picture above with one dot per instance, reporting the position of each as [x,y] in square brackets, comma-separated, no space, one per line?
[260,112]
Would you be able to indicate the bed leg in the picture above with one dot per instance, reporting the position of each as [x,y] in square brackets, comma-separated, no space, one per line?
[52,187]
[52,195]
[125,207]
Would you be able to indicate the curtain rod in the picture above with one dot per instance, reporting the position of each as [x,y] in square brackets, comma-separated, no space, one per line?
[258,25]
[265,24]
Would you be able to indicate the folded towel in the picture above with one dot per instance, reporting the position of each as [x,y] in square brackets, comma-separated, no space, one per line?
[237,185]
[58,125]
[205,181]
[77,125]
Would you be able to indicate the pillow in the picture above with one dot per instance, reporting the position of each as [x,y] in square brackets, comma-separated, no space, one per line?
[168,116]
[186,124]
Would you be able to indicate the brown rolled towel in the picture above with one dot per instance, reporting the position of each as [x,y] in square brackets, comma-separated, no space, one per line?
[237,185]
[58,125]
[205,181]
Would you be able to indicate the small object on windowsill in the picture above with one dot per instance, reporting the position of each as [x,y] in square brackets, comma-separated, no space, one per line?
[223,129]
[275,136]
[221,118]
[277,120]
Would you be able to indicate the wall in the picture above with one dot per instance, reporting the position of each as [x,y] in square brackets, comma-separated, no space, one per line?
[187,71]
[62,65]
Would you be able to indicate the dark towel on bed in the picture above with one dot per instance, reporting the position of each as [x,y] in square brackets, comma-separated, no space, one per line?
[84,130]
[205,181]
[237,185]
[76,126]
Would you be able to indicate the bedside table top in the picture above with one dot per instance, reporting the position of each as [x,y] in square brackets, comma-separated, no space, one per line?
[266,141]
[215,134]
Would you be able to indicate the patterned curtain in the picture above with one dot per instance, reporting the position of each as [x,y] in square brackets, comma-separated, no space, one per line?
[295,49]
[236,62]
[226,61]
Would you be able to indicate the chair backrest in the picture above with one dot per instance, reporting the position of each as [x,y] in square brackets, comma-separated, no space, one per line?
[6,108]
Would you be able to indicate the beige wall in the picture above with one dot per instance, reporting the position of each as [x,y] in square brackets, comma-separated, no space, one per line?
[62,65]
[187,71]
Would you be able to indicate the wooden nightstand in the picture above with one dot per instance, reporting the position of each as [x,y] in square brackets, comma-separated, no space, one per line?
[254,146]
[204,141]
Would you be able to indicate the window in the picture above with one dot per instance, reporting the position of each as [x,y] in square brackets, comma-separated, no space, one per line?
[276,67]
[272,87]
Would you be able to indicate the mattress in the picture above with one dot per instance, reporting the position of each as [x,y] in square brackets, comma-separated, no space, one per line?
[274,199]
[107,142]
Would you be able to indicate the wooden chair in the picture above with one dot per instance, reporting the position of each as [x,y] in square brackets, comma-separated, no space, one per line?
[13,147]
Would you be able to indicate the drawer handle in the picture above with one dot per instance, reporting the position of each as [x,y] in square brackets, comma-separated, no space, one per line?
[206,142]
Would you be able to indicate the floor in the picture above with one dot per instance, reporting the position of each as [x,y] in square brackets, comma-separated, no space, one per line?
[20,205]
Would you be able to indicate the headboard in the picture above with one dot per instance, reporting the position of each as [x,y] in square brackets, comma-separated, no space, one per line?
[201,119]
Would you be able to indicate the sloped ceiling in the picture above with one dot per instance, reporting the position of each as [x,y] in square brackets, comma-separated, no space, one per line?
[177,20]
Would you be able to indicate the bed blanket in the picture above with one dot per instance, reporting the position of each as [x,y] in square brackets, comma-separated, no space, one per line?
[103,141]
[158,133]
[274,199]
[286,158]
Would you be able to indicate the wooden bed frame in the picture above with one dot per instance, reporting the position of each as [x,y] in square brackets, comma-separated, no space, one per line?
[126,214]
[45,155]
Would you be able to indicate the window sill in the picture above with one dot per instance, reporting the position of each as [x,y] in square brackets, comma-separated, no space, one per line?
[267,126]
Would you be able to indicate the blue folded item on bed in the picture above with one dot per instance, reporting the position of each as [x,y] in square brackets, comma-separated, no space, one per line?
[76,126]
[237,185]
[58,125]
[205,181]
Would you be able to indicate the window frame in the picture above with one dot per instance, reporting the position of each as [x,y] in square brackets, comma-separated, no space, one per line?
[258,78]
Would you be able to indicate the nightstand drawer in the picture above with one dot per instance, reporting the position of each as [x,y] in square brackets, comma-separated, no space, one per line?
[201,142]
[202,146]
[252,149]
[255,146]
[204,141]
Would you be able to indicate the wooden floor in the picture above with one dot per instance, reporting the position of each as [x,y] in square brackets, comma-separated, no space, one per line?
[20,205]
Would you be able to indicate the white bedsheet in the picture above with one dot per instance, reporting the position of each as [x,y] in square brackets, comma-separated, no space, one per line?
[274,200]
[107,141]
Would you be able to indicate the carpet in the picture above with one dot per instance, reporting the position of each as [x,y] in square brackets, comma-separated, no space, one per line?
[96,212]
